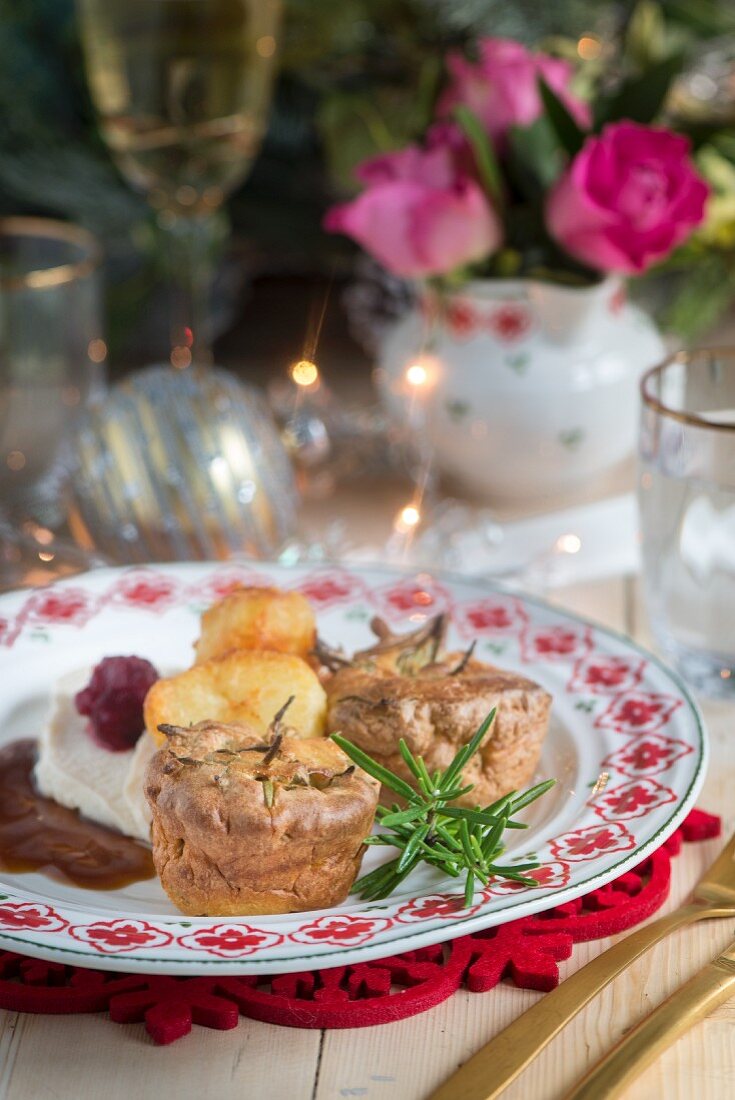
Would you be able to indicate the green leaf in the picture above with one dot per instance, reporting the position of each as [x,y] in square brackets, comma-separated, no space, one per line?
[645,38]
[467,751]
[450,794]
[403,816]
[411,852]
[394,782]
[469,889]
[535,157]
[507,872]
[532,794]
[487,164]
[491,843]
[449,839]
[570,135]
[464,836]
[409,759]
[500,805]
[640,98]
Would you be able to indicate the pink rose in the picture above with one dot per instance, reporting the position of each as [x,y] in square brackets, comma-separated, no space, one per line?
[502,88]
[628,198]
[419,214]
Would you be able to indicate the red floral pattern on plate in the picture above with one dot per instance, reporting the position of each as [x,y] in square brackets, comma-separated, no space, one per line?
[341,930]
[60,607]
[649,756]
[421,595]
[147,590]
[461,319]
[329,589]
[555,643]
[433,906]
[602,674]
[15,916]
[224,581]
[229,941]
[592,842]
[496,615]
[112,937]
[638,712]
[634,799]
[510,322]
[551,876]
[9,631]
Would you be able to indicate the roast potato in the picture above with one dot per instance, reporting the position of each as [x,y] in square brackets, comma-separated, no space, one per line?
[244,686]
[259,619]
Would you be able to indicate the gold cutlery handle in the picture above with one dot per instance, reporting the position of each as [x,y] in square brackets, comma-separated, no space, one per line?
[642,1046]
[500,1061]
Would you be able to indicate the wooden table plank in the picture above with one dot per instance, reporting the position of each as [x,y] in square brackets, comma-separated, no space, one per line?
[88,1058]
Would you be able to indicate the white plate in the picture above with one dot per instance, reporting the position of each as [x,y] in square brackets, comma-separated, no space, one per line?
[616,709]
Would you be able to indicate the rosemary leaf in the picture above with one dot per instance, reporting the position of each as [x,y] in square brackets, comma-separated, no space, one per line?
[411,851]
[409,759]
[457,766]
[372,767]
[457,840]
[403,816]
[532,794]
[469,889]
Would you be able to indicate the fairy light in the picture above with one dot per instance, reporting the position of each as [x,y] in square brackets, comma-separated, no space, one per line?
[420,376]
[266,46]
[40,534]
[15,461]
[407,519]
[417,375]
[305,373]
[589,47]
[180,357]
[97,351]
[569,544]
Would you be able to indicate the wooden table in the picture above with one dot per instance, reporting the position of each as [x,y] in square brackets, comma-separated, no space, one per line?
[87,1057]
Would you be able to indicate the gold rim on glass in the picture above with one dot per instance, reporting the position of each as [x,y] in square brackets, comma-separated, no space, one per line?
[58,274]
[676,414]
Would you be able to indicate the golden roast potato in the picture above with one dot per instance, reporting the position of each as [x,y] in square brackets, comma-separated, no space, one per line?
[260,619]
[244,686]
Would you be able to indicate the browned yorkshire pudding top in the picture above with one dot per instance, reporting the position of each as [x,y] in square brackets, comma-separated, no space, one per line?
[243,824]
[438,708]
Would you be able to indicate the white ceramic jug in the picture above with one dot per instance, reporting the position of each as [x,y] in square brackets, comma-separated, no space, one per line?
[532,387]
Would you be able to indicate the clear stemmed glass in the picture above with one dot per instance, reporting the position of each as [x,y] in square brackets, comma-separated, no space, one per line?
[182,89]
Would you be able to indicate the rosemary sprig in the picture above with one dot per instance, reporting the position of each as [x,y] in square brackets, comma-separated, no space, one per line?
[455,839]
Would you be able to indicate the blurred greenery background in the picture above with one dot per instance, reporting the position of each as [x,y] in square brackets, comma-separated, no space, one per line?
[356,76]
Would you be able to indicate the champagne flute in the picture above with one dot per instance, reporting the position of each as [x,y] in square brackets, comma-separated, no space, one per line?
[182,89]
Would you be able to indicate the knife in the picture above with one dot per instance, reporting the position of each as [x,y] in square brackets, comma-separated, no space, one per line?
[711,987]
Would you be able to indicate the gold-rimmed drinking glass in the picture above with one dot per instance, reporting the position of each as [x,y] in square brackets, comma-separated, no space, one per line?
[182,89]
[687,508]
[52,354]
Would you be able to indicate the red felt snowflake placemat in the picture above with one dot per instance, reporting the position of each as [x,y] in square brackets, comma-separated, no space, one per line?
[525,951]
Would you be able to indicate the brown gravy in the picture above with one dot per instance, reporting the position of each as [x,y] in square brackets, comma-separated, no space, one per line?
[37,834]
